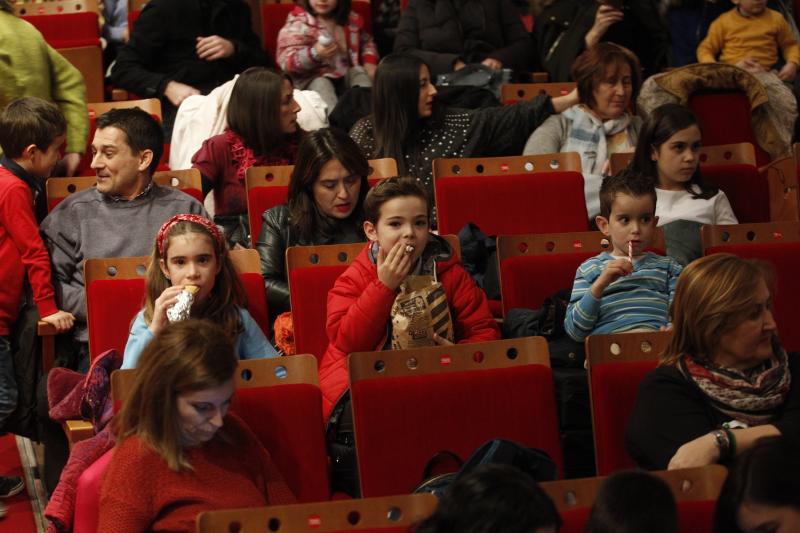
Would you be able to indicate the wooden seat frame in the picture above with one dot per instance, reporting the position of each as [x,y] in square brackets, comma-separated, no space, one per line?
[529,91]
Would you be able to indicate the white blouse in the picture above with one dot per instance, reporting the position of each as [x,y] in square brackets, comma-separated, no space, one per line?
[679,205]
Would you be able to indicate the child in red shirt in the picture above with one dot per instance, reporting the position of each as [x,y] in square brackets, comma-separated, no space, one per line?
[32,132]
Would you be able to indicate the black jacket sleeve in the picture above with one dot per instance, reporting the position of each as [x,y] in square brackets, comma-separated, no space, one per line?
[788,422]
[271,246]
[519,50]
[496,131]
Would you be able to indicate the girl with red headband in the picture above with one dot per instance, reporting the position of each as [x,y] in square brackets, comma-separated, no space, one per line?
[191,250]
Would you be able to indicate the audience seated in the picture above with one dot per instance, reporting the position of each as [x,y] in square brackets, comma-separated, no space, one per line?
[566,28]
[179,452]
[633,502]
[409,125]
[325,206]
[119,217]
[628,288]
[262,130]
[31,68]
[724,380]
[449,34]
[183,47]
[32,132]
[493,498]
[191,257]
[608,78]
[115,28]
[750,36]
[324,47]
[762,491]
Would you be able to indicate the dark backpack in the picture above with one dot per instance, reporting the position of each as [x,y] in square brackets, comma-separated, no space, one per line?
[532,461]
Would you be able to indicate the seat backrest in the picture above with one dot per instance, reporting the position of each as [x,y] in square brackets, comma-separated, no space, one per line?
[63,24]
[312,272]
[512,93]
[617,363]
[391,514]
[511,195]
[535,266]
[695,490]
[115,291]
[59,188]
[187,180]
[725,118]
[410,404]
[269,186]
[777,243]
[89,61]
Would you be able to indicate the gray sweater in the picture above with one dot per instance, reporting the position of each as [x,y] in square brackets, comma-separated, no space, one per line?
[88,224]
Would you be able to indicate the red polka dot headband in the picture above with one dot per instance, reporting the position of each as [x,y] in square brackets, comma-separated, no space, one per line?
[197,219]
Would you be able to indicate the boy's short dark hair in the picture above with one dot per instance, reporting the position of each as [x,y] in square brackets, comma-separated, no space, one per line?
[633,501]
[629,182]
[27,121]
[389,189]
[142,130]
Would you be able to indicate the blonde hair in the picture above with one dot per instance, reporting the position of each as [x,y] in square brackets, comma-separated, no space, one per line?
[713,296]
[226,297]
[183,357]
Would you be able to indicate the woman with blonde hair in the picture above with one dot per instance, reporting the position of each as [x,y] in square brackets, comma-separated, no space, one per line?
[724,381]
[179,451]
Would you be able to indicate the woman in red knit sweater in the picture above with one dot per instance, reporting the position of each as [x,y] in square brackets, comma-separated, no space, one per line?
[179,452]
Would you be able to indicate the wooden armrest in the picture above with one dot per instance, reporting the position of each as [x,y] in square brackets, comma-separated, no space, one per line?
[78,430]
[48,334]
[119,95]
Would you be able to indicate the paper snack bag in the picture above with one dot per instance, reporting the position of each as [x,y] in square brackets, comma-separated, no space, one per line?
[419,311]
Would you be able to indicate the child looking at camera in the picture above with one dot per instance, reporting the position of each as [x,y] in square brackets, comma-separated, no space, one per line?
[627,288]
[397,224]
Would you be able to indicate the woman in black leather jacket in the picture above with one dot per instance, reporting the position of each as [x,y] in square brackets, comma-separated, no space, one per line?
[326,195]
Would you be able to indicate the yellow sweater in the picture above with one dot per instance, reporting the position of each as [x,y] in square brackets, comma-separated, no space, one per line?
[734,37]
[30,67]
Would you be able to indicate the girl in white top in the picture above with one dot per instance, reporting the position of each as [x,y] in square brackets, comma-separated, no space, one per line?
[668,149]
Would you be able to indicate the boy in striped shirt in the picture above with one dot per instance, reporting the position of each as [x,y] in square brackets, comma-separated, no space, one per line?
[626,288]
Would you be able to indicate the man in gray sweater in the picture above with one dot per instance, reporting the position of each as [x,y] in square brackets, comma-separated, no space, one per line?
[119,217]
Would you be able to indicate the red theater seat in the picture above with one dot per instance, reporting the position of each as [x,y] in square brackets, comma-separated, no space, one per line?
[777,243]
[393,514]
[410,404]
[511,195]
[617,363]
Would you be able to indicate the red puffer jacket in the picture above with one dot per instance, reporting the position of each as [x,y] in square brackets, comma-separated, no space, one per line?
[359,305]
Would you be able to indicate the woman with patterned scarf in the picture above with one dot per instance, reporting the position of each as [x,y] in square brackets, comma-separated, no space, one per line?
[608,78]
[724,381]
[262,131]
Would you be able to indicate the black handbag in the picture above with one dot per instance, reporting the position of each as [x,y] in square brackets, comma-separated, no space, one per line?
[341,444]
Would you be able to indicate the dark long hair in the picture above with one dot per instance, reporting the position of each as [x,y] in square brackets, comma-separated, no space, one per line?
[316,149]
[663,123]
[341,13]
[395,108]
[767,474]
[254,110]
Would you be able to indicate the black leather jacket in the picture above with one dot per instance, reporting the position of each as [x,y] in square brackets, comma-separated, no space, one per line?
[278,234]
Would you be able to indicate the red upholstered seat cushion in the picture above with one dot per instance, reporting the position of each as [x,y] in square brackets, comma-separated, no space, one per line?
[87,495]
[785,258]
[614,387]
[696,517]
[402,422]
[745,187]
[309,294]
[253,284]
[527,280]
[287,419]
[259,199]
[546,202]
[67,30]
[575,520]
[726,118]
[112,305]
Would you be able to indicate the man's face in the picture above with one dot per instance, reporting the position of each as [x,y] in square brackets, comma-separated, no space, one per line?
[120,172]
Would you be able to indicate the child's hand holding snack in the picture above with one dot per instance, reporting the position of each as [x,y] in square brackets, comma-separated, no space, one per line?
[394,265]
[611,273]
[162,304]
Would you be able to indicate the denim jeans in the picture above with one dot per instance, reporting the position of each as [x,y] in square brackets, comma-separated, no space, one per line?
[8,385]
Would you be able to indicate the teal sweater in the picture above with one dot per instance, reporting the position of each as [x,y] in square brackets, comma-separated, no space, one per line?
[30,67]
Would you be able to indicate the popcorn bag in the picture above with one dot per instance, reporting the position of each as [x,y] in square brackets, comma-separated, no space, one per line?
[419,311]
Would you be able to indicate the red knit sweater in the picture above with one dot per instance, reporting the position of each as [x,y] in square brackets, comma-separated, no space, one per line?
[21,249]
[140,492]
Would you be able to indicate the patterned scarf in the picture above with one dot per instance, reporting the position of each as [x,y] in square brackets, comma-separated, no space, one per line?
[588,135]
[751,397]
[244,158]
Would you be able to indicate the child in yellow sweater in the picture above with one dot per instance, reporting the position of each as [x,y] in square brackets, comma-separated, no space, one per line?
[749,36]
